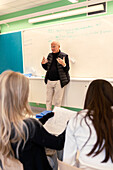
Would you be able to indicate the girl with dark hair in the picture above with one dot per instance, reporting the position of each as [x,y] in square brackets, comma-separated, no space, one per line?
[91,130]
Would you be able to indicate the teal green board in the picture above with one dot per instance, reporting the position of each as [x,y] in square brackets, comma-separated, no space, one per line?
[11,52]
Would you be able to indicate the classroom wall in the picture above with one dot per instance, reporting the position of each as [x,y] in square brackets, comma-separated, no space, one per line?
[23,24]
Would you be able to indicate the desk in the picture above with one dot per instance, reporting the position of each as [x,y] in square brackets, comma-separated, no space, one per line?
[74,94]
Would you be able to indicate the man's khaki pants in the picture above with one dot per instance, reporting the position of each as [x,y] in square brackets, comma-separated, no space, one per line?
[54,91]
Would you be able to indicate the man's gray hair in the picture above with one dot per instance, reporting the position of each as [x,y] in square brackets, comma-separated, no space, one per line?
[56,42]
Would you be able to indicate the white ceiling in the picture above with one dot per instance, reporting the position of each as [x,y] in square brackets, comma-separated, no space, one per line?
[10,6]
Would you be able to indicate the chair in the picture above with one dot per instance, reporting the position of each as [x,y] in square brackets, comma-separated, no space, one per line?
[64,166]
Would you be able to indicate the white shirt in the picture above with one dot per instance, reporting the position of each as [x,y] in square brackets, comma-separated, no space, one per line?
[77,134]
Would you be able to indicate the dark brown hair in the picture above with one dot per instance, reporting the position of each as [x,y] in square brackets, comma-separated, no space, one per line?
[99,102]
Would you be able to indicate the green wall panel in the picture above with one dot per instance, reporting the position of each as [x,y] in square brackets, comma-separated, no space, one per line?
[23,24]
[11,52]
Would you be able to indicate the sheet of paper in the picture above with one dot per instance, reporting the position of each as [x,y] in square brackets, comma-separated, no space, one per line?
[57,124]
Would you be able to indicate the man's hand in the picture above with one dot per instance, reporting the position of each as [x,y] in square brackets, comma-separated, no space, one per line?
[44,60]
[61,61]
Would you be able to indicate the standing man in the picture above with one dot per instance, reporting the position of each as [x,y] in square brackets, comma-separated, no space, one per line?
[57,76]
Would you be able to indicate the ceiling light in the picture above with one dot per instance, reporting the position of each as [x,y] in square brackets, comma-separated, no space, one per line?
[67,14]
[73,1]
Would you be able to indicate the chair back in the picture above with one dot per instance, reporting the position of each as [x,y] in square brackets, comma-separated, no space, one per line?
[64,166]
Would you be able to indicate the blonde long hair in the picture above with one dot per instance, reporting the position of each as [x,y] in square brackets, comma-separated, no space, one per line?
[14,90]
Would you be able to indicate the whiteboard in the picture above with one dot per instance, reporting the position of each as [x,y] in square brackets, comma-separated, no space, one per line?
[88,42]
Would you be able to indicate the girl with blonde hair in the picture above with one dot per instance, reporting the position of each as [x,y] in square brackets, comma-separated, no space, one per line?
[21,136]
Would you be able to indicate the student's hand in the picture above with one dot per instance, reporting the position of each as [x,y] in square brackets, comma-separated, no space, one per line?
[44,60]
[44,119]
[61,61]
